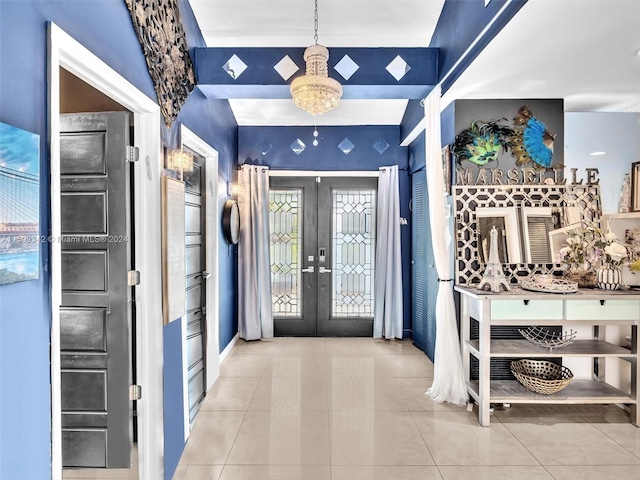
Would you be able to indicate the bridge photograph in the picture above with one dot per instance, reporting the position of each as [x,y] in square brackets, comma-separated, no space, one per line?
[19,204]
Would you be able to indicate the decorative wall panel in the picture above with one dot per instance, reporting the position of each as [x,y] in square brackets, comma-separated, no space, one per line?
[467,199]
[159,30]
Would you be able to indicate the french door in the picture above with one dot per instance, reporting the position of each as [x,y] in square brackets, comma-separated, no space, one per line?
[322,255]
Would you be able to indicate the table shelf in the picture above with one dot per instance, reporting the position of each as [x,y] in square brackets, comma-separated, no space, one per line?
[577,392]
[522,308]
[524,348]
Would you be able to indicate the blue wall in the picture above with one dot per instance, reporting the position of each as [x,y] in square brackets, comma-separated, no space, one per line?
[328,156]
[105,28]
[173,404]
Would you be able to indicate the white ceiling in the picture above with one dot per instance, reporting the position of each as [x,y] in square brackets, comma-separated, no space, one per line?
[579,50]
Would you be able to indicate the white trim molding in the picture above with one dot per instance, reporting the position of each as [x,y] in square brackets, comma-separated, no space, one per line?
[66,52]
[227,350]
[320,173]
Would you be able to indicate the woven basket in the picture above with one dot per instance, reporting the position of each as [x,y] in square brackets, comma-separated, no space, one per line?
[541,376]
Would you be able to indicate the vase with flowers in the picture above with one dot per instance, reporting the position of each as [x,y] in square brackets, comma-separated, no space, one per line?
[611,253]
[574,254]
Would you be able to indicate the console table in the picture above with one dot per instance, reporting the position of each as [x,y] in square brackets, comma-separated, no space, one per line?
[525,308]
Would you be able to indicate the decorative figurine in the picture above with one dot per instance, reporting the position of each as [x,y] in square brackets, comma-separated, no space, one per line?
[493,274]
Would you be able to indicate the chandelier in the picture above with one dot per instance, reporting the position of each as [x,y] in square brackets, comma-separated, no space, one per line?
[315,91]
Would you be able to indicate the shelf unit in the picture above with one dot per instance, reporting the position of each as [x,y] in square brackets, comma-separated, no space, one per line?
[523,308]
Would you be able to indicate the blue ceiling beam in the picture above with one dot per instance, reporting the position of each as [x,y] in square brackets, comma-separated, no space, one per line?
[463,30]
[370,80]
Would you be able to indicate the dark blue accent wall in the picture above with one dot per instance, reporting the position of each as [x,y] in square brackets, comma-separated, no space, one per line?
[461,22]
[327,156]
[173,398]
[105,28]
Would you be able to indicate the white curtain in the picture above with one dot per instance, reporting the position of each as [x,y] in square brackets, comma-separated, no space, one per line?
[387,320]
[255,318]
[448,377]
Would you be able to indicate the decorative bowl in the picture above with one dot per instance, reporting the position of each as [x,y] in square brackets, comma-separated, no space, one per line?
[541,376]
[543,279]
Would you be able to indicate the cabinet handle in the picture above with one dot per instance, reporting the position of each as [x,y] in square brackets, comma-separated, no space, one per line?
[602,302]
[526,302]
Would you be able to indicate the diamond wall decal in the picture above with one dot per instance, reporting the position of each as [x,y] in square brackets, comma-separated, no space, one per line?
[398,68]
[264,146]
[346,146]
[381,146]
[346,67]
[234,67]
[297,146]
[286,67]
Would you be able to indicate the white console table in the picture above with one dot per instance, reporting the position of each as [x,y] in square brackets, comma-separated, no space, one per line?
[524,308]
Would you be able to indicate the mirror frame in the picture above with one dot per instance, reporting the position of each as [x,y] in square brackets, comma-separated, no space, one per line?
[468,198]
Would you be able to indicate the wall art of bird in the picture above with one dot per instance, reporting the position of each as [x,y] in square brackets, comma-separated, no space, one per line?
[531,142]
[481,143]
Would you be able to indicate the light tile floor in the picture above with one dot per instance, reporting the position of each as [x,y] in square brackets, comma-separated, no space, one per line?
[355,409]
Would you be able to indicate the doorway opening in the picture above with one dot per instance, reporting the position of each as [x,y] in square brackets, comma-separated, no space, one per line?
[323,237]
[68,59]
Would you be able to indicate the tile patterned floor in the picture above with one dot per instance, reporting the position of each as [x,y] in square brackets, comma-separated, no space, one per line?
[355,409]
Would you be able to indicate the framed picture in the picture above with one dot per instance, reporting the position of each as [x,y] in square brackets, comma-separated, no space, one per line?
[173,254]
[446,168]
[19,205]
[635,186]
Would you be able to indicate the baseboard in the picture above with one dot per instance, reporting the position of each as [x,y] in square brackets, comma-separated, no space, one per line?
[229,347]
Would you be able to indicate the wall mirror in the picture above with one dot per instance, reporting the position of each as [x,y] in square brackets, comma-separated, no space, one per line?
[533,222]
[526,234]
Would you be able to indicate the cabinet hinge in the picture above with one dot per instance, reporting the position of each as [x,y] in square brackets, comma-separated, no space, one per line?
[133,153]
[133,278]
[135,392]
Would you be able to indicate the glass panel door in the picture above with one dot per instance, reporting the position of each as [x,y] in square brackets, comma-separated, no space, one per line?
[293,236]
[322,245]
[346,233]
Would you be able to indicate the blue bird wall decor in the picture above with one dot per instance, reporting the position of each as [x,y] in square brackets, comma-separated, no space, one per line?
[531,143]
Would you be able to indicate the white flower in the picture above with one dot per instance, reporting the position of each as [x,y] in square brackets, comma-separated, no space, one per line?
[610,237]
[616,251]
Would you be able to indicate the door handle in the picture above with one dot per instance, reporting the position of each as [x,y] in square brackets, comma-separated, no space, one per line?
[324,270]
[206,275]
[309,269]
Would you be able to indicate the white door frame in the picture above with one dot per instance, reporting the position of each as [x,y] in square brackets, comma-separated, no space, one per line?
[66,52]
[212,221]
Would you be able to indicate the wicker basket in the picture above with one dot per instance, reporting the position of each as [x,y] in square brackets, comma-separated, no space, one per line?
[541,376]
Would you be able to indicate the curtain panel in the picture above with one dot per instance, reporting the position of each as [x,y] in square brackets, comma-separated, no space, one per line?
[387,320]
[448,376]
[255,317]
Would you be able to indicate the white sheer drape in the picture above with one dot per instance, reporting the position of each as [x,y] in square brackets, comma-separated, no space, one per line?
[387,320]
[255,318]
[448,376]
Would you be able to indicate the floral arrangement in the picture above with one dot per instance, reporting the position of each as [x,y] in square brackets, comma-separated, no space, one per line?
[592,245]
[608,248]
[574,251]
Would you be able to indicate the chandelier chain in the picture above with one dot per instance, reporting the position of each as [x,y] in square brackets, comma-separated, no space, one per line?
[316,92]
[315,23]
